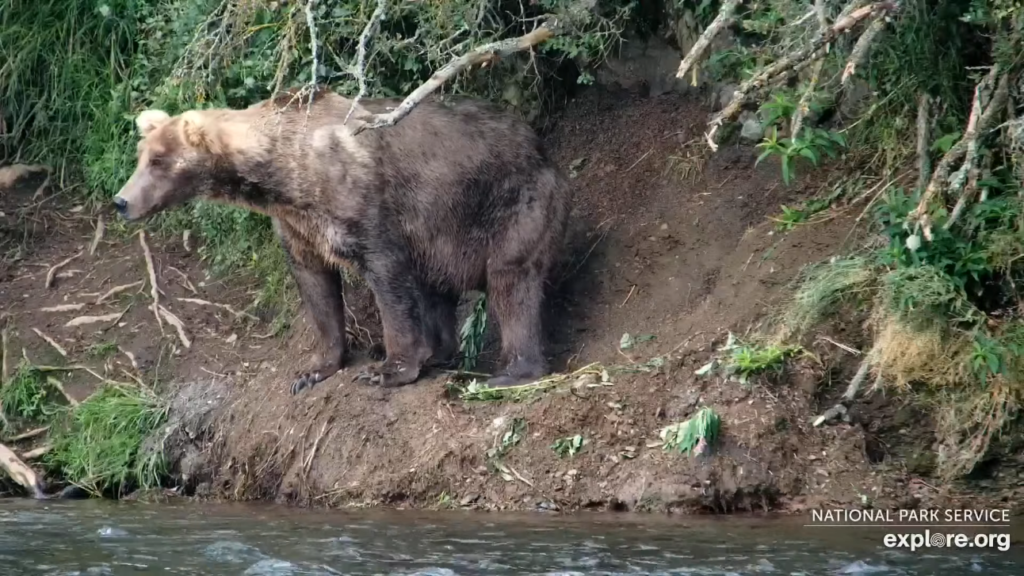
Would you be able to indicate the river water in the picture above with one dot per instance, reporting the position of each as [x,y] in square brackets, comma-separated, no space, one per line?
[92,537]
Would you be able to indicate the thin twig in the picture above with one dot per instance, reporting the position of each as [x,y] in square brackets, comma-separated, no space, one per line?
[924,165]
[60,349]
[98,236]
[486,53]
[723,19]
[52,273]
[151,269]
[364,39]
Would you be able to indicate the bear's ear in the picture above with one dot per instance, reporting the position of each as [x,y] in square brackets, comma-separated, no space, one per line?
[197,132]
[149,120]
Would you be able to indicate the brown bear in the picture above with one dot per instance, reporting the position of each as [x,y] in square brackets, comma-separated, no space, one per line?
[460,195]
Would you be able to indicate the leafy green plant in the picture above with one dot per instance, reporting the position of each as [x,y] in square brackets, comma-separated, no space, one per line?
[811,146]
[471,338]
[694,436]
[743,361]
[569,446]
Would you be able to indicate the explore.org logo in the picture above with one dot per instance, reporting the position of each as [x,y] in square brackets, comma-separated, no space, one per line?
[929,539]
[953,528]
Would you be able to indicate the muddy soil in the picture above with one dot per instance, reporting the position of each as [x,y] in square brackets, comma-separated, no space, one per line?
[667,243]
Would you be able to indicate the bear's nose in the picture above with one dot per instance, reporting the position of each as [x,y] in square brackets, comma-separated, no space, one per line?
[121,204]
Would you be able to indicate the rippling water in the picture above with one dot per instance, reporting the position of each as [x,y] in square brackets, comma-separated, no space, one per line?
[90,537]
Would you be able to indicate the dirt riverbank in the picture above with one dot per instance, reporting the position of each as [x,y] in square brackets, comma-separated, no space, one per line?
[667,244]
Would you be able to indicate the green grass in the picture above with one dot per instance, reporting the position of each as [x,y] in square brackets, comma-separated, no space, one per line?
[99,444]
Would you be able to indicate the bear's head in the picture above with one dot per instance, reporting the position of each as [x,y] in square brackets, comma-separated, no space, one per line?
[177,157]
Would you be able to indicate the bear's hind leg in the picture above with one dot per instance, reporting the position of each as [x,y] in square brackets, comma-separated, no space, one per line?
[440,312]
[401,302]
[515,294]
[321,290]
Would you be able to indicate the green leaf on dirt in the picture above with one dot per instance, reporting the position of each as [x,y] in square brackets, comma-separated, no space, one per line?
[568,446]
[695,435]
[628,341]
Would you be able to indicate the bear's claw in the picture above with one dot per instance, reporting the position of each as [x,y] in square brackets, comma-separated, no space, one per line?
[305,382]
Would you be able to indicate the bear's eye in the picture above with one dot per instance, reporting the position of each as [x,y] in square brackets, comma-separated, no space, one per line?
[156,161]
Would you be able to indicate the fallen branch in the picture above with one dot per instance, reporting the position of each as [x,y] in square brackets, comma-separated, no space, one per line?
[53,270]
[924,165]
[84,320]
[840,409]
[117,290]
[970,166]
[486,53]
[178,326]
[37,452]
[60,387]
[804,105]
[977,124]
[235,313]
[723,19]
[29,434]
[63,308]
[98,236]
[151,269]
[789,63]
[20,472]
[860,49]
[60,349]
[364,39]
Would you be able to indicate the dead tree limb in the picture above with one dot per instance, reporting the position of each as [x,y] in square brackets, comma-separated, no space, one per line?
[804,106]
[724,19]
[787,63]
[924,165]
[861,48]
[364,40]
[483,54]
[20,472]
[977,124]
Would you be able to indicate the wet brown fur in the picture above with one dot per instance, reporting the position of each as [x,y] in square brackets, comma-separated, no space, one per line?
[457,196]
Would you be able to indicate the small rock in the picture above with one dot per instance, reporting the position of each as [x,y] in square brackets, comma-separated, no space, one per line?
[751,130]
[468,499]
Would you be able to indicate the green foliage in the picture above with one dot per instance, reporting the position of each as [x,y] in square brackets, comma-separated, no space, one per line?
[568,446]
[99,444]
[695,435]
[811,145]
[471,337]
[744,360]
[28,398]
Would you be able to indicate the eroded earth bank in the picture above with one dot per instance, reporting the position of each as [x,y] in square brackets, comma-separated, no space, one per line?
[667,243]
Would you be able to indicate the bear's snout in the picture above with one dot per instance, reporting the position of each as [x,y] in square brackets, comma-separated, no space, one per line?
[121,205]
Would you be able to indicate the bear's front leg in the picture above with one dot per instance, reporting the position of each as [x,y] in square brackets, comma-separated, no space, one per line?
[322,293]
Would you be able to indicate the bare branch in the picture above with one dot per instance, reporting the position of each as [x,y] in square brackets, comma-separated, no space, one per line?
[923,139]
[481,55]
[860,49]
[804,105]
[977,124]
[313,45]
[364,39]
[791,61]
[724,18]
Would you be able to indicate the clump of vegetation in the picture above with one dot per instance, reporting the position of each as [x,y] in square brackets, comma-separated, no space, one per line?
[98,444]
[569,446]
[696,435]
[744,360]
[471,337]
